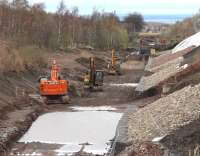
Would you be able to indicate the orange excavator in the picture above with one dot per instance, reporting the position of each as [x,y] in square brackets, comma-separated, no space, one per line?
[54,89]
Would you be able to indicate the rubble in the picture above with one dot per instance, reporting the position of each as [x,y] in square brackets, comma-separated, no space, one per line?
[156,62]
[171,118]
[166,65]
[153,80]
[173,68]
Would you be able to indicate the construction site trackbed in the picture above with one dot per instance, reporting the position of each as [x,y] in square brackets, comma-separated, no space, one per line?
[117,93]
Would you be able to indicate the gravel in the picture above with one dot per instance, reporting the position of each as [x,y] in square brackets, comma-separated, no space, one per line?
[166,57]
[173,62]
[171,115]
[163,67]
[153,80]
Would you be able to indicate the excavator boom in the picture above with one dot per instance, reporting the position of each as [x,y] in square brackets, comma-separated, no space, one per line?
[114,67]
[54,71]
[113,58]
[93,79]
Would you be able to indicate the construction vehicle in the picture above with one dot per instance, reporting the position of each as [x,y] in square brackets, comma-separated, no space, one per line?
[53,88]
[93,80]
[114,67]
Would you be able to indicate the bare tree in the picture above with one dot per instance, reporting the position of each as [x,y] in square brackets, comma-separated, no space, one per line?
[60,16]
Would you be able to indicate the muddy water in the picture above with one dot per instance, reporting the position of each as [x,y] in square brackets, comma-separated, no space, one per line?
[134,85]
[63,133]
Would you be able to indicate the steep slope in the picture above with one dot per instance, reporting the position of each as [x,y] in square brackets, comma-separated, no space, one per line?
[193,40]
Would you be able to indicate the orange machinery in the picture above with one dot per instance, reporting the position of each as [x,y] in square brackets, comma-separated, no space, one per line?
[54,89]
[114,66]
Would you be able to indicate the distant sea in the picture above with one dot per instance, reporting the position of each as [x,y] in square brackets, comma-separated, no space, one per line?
[169,19]
[165,18]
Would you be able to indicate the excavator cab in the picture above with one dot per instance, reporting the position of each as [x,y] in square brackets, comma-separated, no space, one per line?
[114,68]
[93,78]
[53,88]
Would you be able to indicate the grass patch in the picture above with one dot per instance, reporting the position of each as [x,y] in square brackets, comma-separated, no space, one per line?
[21,59]
[33,57]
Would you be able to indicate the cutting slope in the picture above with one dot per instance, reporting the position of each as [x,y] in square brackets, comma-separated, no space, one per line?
[193,40]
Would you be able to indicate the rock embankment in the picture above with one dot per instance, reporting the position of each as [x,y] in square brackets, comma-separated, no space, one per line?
[169,121]
[16,124]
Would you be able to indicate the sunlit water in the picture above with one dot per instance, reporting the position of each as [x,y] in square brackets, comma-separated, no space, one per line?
[72,129]
[134,85]
[99,108]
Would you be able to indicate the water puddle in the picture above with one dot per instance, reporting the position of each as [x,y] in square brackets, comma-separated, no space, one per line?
[134,85]
[85,130]
[101,108]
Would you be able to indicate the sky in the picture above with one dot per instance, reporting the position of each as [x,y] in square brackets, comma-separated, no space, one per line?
[152,7]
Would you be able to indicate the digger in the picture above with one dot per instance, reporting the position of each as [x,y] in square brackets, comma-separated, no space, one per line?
[114,67]
[53,88]
[93,79]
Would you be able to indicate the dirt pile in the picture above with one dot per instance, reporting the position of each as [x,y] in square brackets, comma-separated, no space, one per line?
[155,79]
[171,127]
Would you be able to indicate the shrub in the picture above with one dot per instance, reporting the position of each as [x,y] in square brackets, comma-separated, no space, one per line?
[33,57]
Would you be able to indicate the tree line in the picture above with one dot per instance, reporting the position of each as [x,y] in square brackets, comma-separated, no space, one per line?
[27,24]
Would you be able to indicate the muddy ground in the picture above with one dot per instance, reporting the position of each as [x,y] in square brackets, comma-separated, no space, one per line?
[16,121]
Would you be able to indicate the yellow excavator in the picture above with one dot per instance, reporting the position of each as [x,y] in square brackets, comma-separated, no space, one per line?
[114,68]
[93,79]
